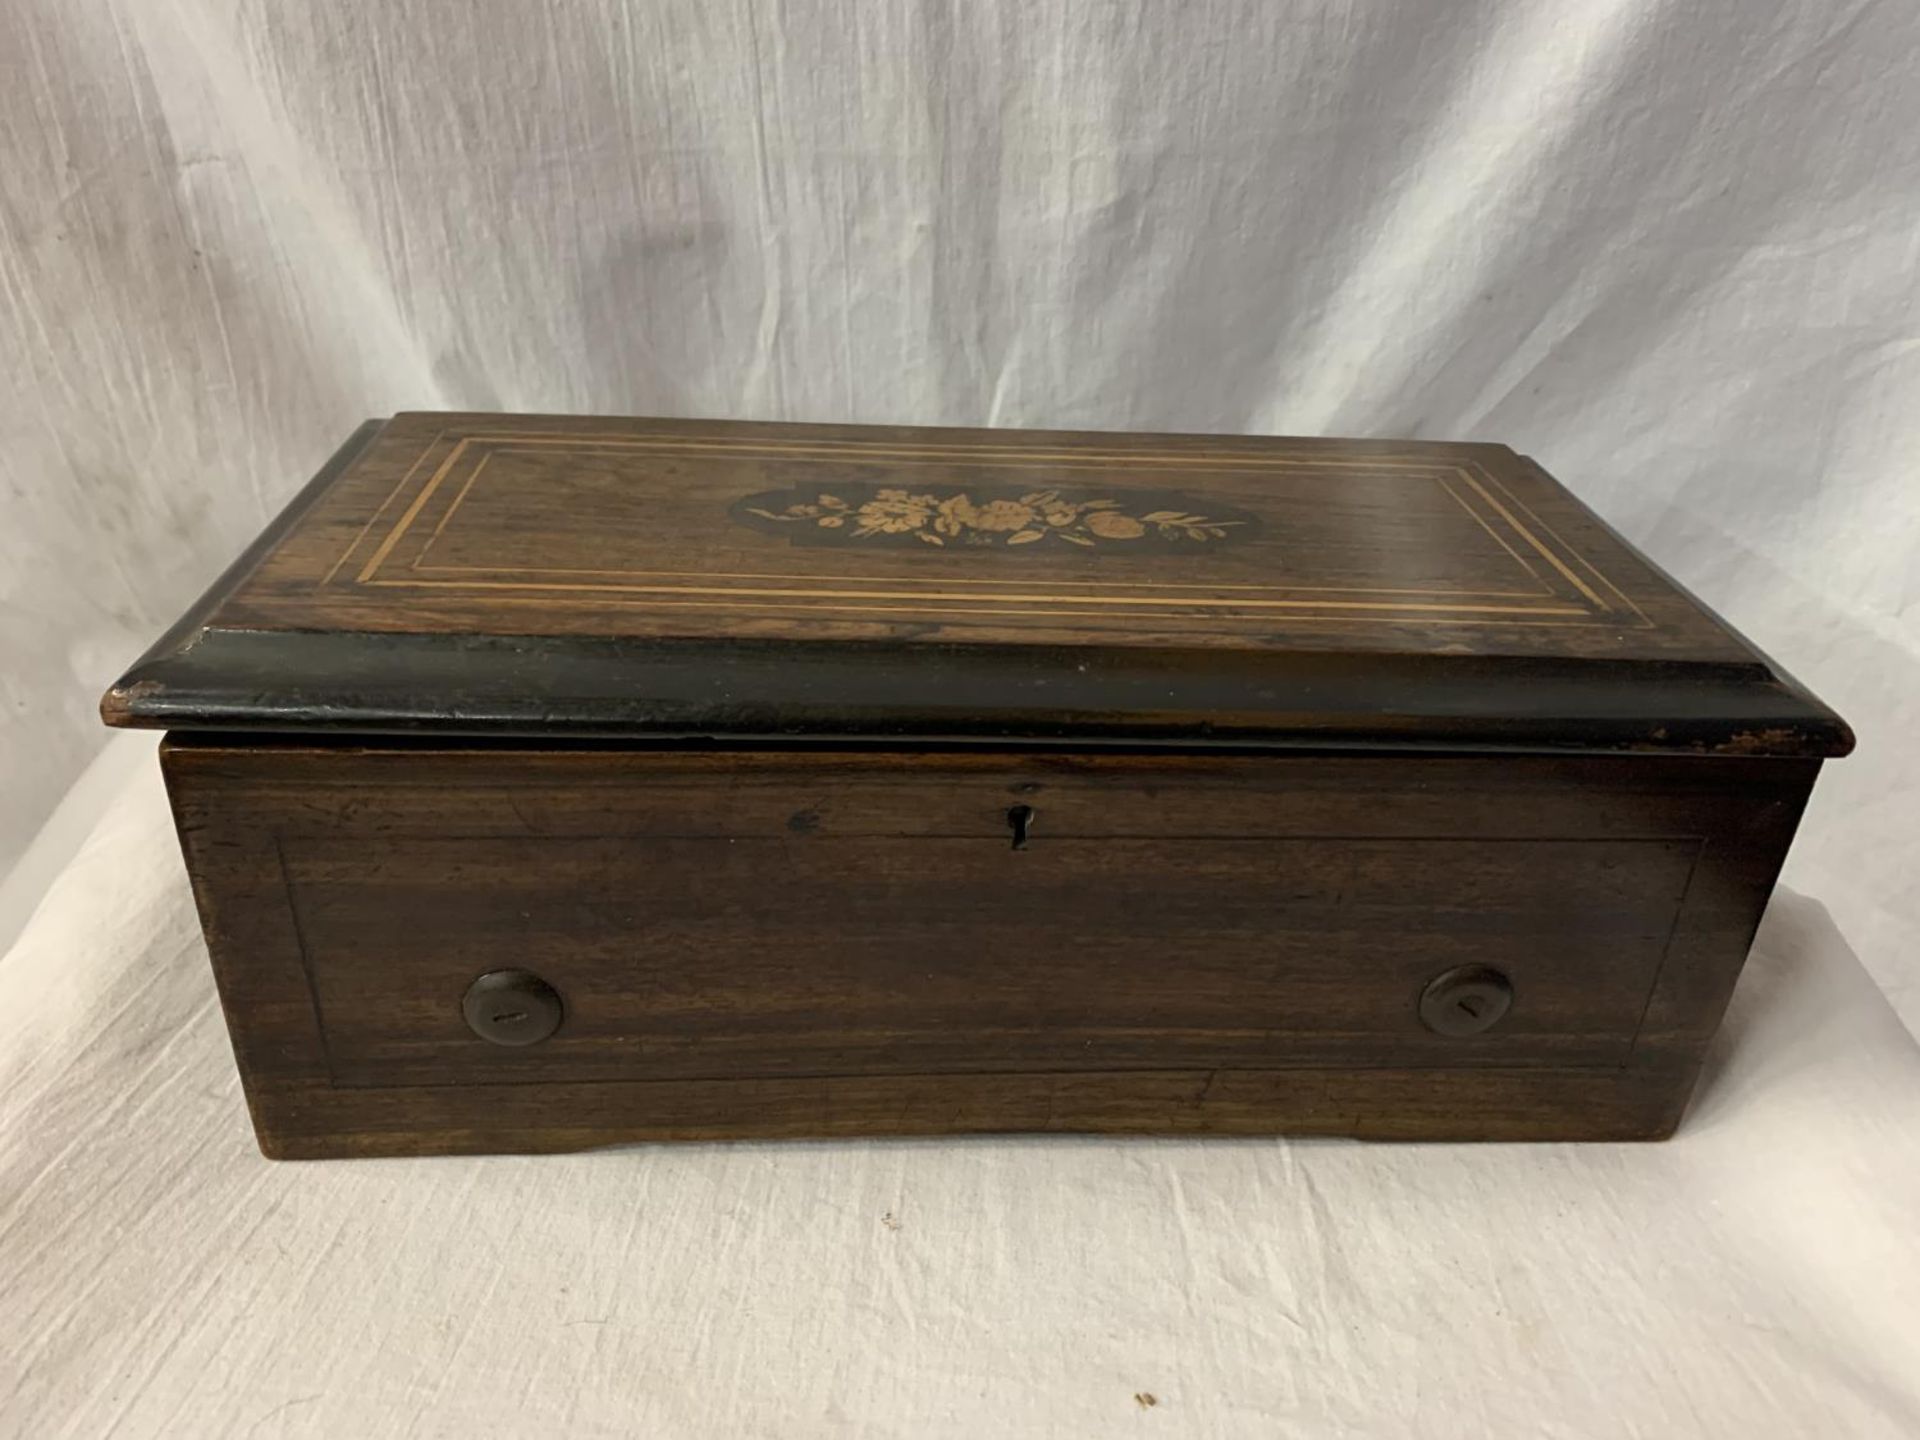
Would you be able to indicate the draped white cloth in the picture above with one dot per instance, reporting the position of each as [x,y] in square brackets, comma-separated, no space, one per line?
[1669,247]
[1756,1276]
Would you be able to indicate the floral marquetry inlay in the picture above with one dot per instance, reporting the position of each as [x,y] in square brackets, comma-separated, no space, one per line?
[997,516]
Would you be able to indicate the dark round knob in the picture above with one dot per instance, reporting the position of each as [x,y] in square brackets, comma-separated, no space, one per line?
[512,1007]
[1467,1000]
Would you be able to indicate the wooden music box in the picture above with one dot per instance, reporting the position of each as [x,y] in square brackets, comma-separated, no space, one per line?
[552,782]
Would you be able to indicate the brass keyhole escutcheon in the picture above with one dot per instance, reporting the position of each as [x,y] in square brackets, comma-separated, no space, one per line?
[512,1007]
[1467,1000]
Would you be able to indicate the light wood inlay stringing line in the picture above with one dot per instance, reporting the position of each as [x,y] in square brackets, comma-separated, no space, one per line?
[981,604]
[417,566]
[1148,460]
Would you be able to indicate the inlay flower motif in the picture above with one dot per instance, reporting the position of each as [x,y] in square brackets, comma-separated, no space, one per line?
[996,516]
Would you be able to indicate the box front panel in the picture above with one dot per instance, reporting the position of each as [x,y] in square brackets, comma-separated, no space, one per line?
[795,919]
[756,954]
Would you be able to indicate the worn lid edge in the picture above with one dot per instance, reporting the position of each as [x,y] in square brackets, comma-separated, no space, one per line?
[559,686]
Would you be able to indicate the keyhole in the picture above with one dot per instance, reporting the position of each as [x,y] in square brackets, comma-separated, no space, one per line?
[1019,818]
[1471,1005]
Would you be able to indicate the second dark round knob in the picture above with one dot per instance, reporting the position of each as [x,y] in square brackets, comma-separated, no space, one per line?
[512,1007]
[1467,1000]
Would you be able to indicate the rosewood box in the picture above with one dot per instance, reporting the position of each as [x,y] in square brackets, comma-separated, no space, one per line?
[553,782]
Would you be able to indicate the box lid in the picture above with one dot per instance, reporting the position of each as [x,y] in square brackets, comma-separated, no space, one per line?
[540,576]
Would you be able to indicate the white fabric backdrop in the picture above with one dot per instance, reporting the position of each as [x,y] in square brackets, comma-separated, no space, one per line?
[1667,246]
[1670,247]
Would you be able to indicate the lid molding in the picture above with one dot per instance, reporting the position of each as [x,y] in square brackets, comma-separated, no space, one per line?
[289,642]
[533,687]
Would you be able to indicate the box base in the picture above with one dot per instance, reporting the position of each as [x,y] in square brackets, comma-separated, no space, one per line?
[1635,1103]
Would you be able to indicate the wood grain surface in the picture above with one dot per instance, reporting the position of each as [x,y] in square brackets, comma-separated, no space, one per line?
[820,942]
[548,525]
